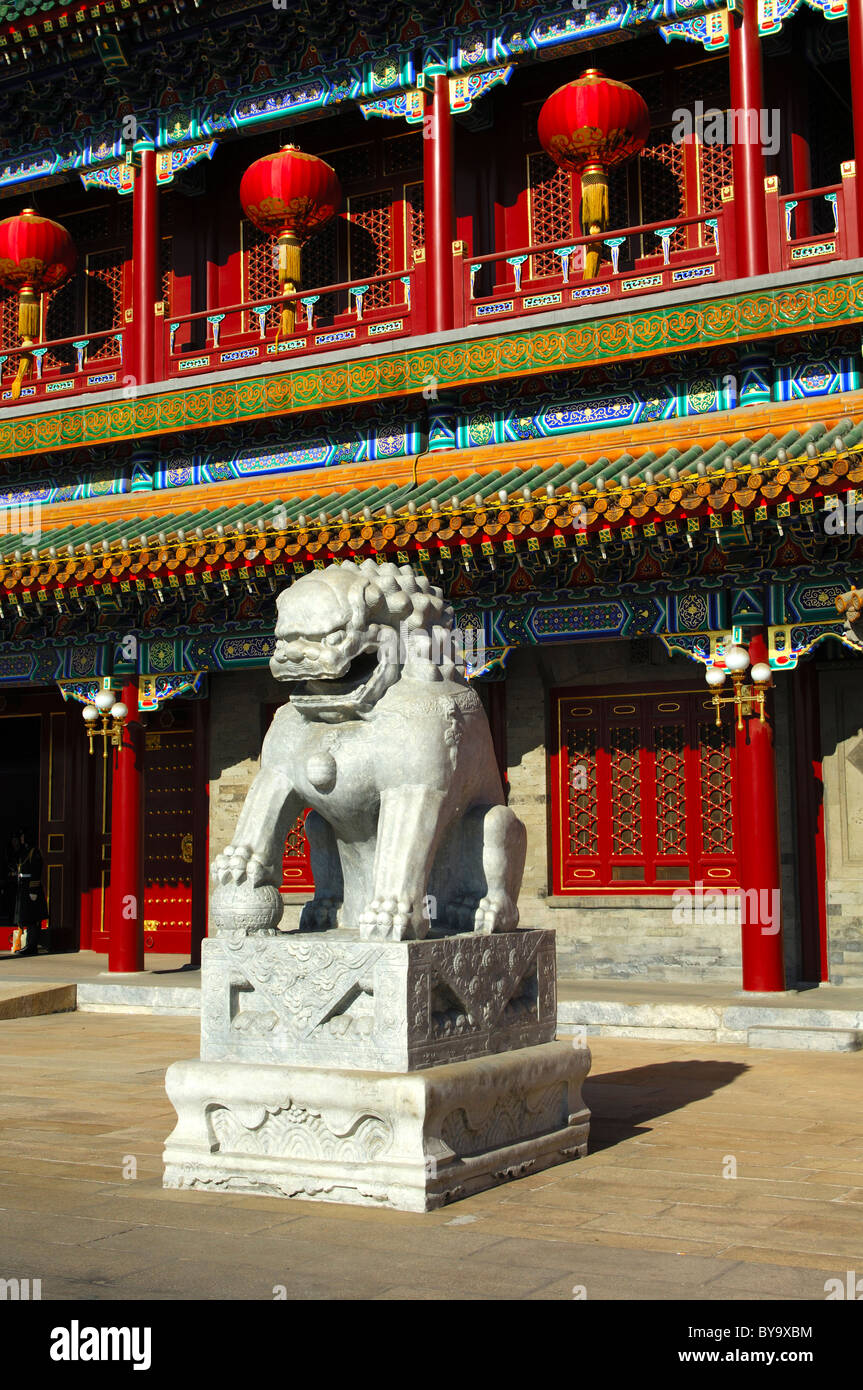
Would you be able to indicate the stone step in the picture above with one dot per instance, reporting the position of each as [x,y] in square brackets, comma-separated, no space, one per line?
[99,997]
[753,1024]
[29,1001]
[808,1039]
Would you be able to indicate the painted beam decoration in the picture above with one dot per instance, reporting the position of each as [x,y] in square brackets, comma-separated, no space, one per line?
[390,75]
[661,535]
[696,624]
[557,412]
[711,28]
[121,178]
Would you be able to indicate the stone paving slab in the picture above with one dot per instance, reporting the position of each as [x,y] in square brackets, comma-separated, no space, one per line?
[646,1214]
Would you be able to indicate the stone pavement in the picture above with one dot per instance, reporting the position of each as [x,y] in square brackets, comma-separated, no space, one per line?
[168,984]
[648,1214]
[162,971]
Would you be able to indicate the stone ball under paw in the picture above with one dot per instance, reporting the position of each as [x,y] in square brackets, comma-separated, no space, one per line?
[240,907]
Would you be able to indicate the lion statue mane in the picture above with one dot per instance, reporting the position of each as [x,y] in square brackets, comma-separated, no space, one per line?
[385,741]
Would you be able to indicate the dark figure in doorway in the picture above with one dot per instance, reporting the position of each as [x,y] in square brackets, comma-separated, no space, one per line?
[30,903]
[9,886]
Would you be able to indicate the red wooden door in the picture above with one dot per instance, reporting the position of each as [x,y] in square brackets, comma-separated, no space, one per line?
[63,750]
[168,837]
[643,792]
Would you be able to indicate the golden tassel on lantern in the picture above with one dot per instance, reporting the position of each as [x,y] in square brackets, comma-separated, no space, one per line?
[289,281]
[594,215]
[28,331]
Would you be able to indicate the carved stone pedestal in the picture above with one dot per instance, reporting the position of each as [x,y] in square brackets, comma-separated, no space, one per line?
[330,999]
[405,1074]
[412,1141]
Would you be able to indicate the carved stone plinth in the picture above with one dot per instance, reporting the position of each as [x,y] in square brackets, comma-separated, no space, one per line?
[330,999]
[412,1141]
[400,1073]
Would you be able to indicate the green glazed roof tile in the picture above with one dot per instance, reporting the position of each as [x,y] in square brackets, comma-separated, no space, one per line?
[603,473]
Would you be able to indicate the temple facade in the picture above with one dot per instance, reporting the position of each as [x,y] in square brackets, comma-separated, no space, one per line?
[628,451]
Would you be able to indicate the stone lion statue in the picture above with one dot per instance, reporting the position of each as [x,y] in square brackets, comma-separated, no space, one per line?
[384,739]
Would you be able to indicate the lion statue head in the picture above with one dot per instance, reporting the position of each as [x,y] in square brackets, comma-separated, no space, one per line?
[346,633]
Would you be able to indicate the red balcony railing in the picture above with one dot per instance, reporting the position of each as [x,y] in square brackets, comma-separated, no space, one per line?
[704,253]
[651,258]
[245,333]
[66,366]
[790,216]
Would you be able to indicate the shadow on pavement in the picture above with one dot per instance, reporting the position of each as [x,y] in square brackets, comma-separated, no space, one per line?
[621,1102]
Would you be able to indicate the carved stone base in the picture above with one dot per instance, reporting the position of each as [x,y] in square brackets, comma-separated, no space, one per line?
[412,1141]
[330,999]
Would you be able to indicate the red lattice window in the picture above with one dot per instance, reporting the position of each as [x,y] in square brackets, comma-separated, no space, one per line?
[354,163]
[370,243]
[663,189]
[670,788]
[260,271]
[619,211]
[169,775]
[643,792]
[581,795]
[415,220]
[260,275]
[715,772]
[403,154]
[104,299]
[830,142]
[9,320]
[61,318]
[321,267]
[166,273]
[550,210]
[716,171]
[625,769]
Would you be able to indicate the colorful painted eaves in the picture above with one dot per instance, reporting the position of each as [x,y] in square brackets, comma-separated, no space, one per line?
[449,516]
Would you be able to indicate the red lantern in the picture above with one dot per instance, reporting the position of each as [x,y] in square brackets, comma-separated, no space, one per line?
[36,254]
[588,126]
[290,194]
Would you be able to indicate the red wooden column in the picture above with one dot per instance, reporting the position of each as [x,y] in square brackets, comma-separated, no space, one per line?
[212,254]
[747,103]
[126,944]
[855,55]
[145,263]
[763,959]
[438,179]
[788,90]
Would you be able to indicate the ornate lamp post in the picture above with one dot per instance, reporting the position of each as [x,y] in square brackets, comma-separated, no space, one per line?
[113,716]
[112,713]
[761,922]
[743,696]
